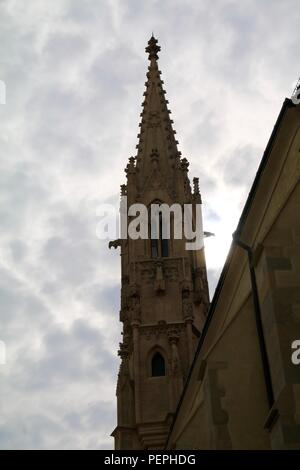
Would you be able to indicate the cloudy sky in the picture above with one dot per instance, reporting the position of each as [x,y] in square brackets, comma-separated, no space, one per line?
[74,72]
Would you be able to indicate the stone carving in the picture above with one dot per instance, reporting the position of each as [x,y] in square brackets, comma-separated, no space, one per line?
[114,243]
[161,329]
[148,274]
[123,189]
[135,307]
[171,273]
[153,120]
[175,365]
[160,284]
[173,336]
[187,309]
[201,286]
[130,168]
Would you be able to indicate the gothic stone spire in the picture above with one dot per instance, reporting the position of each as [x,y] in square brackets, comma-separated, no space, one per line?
[164,295]
[156,127]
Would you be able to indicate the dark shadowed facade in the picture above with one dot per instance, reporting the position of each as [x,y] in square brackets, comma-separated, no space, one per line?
[240,389]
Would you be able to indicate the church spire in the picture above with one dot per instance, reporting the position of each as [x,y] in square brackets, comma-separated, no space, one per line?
[164,293]
[156,130]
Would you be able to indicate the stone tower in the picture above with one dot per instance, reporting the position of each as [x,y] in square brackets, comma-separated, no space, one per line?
[164,293]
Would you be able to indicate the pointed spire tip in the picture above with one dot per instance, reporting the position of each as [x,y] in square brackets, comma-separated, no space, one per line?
[153,48]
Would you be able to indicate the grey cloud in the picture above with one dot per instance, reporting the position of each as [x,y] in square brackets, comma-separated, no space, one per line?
[106,298]
[210,215]
[74,73]
[21,193]
[72,263]
[61,48]
[213,278]
[19,307]
[69,357]
[34,433]
[108,70]
[89,12]
[18,250]
[208,180]
[239,168]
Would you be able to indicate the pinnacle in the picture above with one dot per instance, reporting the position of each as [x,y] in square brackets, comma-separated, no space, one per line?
[152,48]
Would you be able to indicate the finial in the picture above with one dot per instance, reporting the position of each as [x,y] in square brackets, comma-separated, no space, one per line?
[196,186]
[123,189]
[152,48]
[185,165]
[130,168]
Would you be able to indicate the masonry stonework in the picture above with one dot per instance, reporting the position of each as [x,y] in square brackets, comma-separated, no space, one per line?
[164,292]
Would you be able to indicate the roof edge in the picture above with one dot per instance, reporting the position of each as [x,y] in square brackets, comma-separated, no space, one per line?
[286,104]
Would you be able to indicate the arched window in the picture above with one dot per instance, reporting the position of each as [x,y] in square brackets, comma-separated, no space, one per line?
[159,245]
[158,365]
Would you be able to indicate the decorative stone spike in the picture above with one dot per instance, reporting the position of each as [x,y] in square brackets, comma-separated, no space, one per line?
[196,186]
[153,48]
[130,167]
[123,189]
[185,164]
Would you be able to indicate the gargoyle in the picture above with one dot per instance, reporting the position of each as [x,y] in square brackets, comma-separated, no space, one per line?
[114,243]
